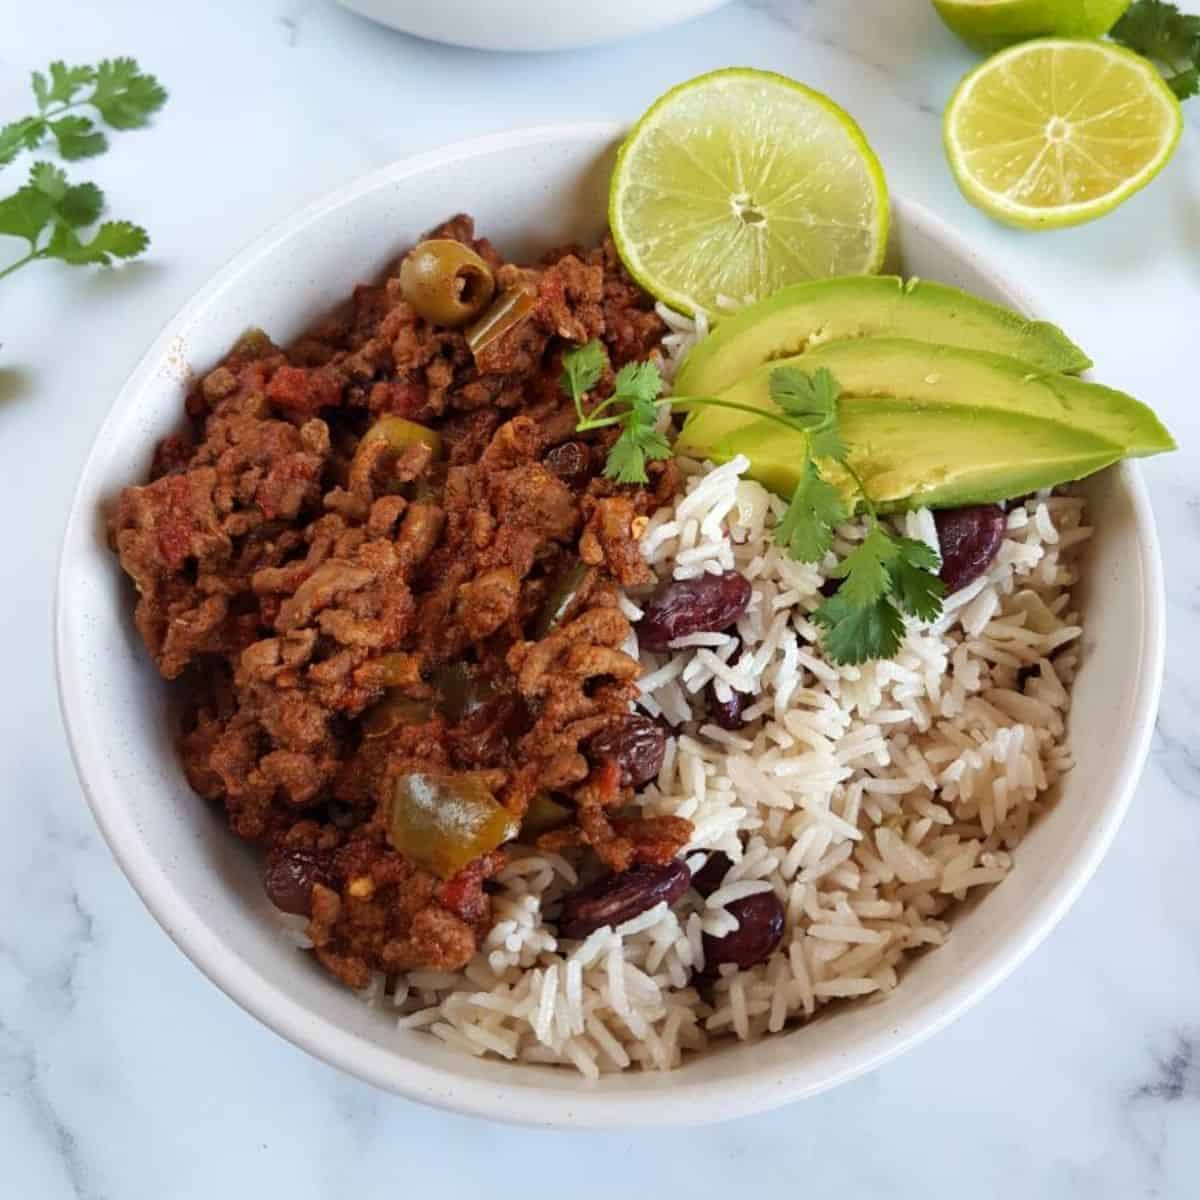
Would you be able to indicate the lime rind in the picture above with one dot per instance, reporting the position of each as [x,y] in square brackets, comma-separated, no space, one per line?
[677,259]
[1026,216]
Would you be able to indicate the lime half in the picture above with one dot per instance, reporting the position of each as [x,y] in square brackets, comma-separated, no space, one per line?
[1057,132]
[989,24]
[739,182]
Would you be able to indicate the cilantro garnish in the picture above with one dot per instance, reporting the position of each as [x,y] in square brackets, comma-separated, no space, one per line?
[1169,38]
[120,93]
[51,215]
[883,578]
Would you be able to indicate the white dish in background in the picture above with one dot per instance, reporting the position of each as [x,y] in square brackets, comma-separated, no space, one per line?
[530,190]
[529,24]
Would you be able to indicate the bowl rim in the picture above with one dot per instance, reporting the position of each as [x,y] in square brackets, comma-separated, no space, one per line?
[691,1102]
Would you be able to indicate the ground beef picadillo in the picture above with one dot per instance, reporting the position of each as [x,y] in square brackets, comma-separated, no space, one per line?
[300,588]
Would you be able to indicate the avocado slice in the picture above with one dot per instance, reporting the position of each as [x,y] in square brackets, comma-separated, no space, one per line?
[900,369]
[807,315]
[935,456]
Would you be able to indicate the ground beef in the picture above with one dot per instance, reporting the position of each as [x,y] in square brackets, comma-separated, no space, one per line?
[338,613]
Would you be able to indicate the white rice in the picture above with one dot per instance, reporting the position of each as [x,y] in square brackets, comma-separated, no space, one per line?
[871,800]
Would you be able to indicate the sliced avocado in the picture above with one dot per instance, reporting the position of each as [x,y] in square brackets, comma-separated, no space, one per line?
[806,315]
[900,369]
[936,456]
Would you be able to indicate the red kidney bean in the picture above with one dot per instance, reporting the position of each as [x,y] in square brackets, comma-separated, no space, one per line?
[706,604]
[637,745]
[759,931]
[289,877]
[571,462]
[728,713]
[710,876]
[614,899]
[969,539]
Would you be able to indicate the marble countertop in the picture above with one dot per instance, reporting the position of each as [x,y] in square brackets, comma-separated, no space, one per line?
[125,1074]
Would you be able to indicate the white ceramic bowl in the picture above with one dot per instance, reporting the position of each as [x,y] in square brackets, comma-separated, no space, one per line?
[530,190]
[529,24]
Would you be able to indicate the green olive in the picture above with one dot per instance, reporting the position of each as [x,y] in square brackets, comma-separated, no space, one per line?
[446,282]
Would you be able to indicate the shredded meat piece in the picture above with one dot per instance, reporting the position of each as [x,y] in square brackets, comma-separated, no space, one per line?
[317,593]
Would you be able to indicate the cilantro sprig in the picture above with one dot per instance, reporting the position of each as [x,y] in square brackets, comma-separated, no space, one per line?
[49,214]
[1170,39]
[119,92]
[883,578]
[634,406]
[54,217]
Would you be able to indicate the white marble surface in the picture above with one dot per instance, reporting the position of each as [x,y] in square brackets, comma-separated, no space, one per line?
[124,1074]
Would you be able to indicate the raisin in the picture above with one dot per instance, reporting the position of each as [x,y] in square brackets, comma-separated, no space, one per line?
[614,899]
[572,463]
[289,879]
[969,539]
[706,604]
[637,745]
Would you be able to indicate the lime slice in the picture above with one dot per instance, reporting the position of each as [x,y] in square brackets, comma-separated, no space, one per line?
[739,182]
[1058,132]
[989,24]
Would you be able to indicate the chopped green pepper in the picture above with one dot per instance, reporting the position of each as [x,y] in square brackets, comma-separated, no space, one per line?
[461,692]
[443,822]
[559,600]
[543,815]
[400,433]
[507,311]
[393,711]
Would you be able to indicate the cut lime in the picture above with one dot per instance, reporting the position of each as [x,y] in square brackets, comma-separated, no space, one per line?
[990,24]
[1058,132]
[739,182]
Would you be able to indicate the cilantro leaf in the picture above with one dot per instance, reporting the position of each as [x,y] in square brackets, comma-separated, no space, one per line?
[64,83]
[918,588]
[816,509]
[857,633]
[114,239]
[126,96]
[74,205]
[638,382]
[20,135]
[626,460]
[1171,39]
[865,569]
[77,137]
[25,214]
[802,395]
[582,368]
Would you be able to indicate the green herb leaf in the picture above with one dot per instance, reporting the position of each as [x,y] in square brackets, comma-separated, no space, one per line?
[801,395]
[125,95]
[25,214]
[114,239]
[639,383]
[918,588]
[582,368]
[20,135]
[857,633]
[626,460]
[816,509]
[77,137]
[1167,37]
[865,569]
[64,83]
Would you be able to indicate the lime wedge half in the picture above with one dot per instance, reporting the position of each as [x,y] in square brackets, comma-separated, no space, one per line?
[1057,132]
[989,24]
[739,182]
